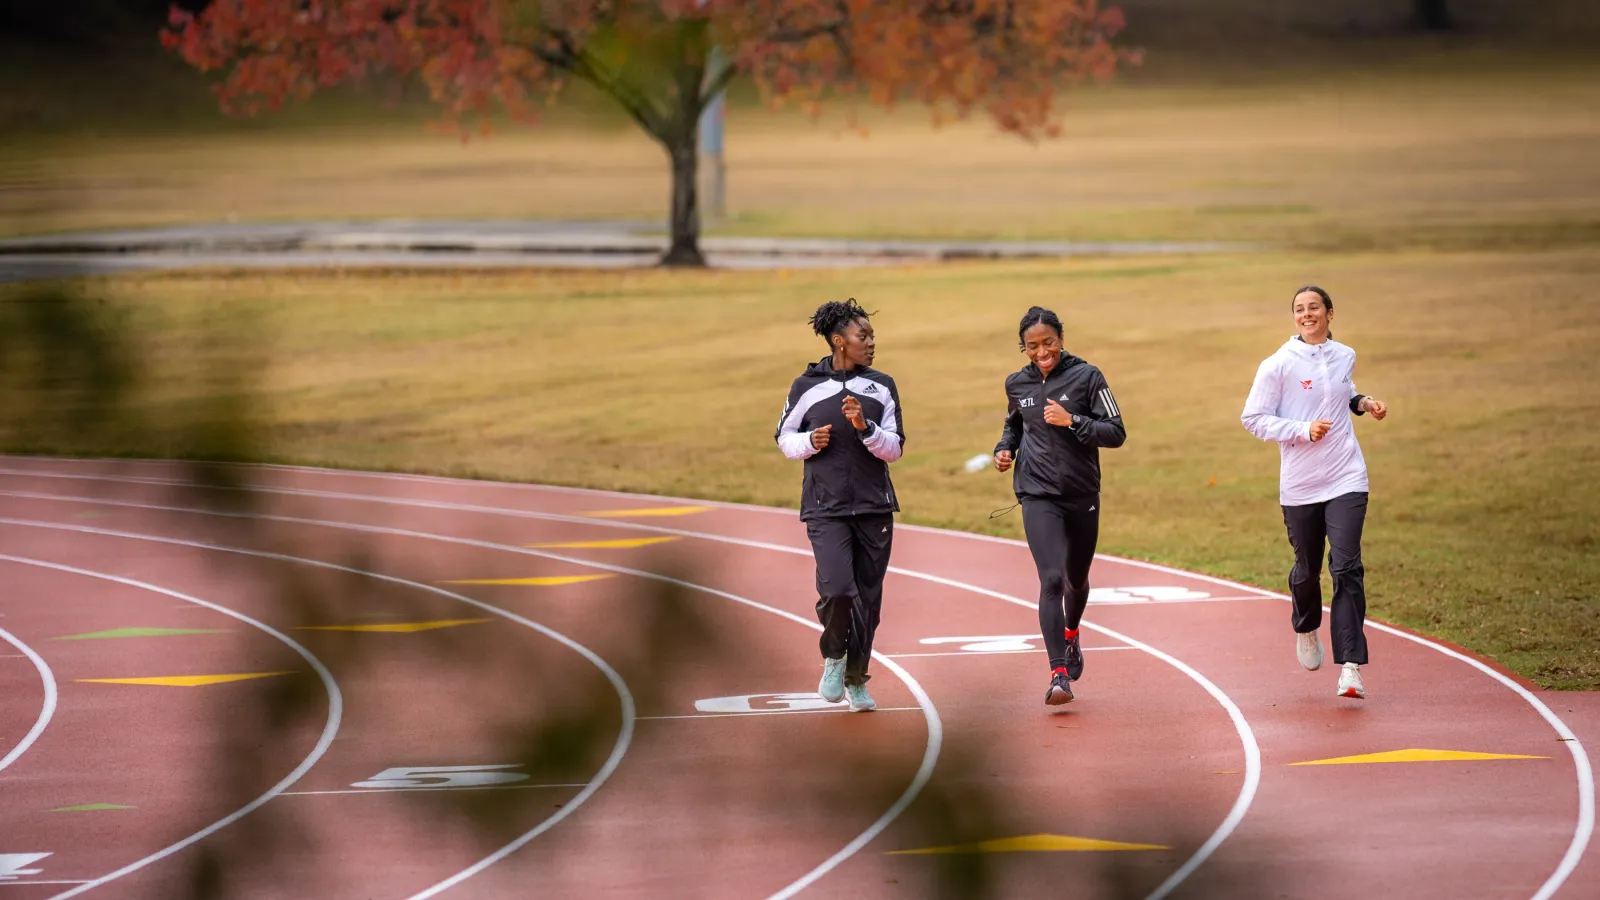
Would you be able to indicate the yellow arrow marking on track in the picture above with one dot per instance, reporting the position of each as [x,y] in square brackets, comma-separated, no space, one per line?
[620,544]
[395,627]
[1035,843]
[649,511]
[185,680]
[1400,756]
[547,581]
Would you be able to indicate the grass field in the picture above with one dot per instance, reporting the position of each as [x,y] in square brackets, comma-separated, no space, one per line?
[1459,159]
[1485,479]
[1446,191]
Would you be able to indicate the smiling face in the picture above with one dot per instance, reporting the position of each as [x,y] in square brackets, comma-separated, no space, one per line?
[1042,345]
[1312,317]
[857,344]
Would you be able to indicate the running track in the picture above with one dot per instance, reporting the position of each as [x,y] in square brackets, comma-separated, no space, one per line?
[725,779]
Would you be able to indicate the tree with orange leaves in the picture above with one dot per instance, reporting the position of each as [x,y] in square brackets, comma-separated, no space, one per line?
[654,58]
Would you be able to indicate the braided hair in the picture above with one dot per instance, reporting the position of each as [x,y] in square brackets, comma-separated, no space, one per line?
[833,318]
[1038,315]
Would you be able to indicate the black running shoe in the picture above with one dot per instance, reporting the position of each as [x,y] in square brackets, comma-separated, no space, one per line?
[1060,693]
[1074,659]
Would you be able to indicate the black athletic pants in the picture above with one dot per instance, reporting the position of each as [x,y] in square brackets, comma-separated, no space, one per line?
[1338,522]
[1062,535]
[852,557]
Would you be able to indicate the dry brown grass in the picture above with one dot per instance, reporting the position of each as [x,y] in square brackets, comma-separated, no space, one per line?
[1483,522]
[1344,162]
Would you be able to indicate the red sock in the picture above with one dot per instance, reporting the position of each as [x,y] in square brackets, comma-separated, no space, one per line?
[1072,633]
[1060,671]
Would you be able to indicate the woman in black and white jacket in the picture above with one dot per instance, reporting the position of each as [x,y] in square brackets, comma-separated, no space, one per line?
[1302,399]
[843,419]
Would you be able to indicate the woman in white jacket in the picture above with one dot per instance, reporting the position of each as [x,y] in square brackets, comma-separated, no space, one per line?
[1303,398]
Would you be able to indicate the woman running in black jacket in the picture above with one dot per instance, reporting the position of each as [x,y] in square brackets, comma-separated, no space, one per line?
[1059,413]
[843,418]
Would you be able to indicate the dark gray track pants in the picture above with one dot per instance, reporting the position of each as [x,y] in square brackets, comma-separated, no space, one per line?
[852,554]
[1337,523]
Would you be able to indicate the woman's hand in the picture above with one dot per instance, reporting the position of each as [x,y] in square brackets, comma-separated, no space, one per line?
[1055,414]
[852,411]
[819,438]
[1319,429]
[1374,406]
[1002,461]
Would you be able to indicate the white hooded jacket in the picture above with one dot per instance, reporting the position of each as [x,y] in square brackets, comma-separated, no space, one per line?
[1294,387]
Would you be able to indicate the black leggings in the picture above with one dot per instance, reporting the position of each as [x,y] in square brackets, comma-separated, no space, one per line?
[1062,535]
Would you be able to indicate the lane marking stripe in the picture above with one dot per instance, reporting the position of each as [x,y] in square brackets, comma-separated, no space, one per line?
[435,790]
[781,712]
[925,703]
[331,728]
[396,627]
[545,581]
[47,708]
[1584,773]
[624,738]
[979,653]
[184,680]
[1241,726]
[1412,756]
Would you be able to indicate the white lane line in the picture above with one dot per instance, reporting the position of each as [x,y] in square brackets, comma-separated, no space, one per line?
[982,653]
[329,729]
[435,790]
[47,709]
[780,712]
[1580,758]
[1582,833]
[924,771]
[624,738]
[1247,740]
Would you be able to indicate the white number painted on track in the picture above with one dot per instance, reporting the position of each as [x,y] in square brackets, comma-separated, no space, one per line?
[442,777]
[12,865]
[746,703]
[1162,594]
[994,643]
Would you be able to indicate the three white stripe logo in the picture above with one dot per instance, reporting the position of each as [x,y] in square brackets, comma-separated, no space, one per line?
[1109,402]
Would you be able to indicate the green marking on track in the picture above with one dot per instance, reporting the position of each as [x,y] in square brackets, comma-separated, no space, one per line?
[91,807]
[135,632]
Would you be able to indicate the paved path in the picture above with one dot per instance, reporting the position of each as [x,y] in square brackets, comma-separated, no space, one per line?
[496,244]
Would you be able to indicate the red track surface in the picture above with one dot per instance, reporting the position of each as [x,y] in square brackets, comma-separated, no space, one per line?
[1190,713]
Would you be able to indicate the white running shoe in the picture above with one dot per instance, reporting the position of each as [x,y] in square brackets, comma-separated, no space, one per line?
[1309,649]
[860,700]
[831,688]
[1350,682]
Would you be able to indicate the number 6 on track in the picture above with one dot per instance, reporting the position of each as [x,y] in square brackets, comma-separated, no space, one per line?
[442,777]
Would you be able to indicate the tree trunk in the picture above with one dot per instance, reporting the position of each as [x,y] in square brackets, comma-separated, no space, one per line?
[685,249]
[1434,15]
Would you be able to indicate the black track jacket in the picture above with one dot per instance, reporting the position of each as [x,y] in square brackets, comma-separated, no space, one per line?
[850,476]
[1054,461]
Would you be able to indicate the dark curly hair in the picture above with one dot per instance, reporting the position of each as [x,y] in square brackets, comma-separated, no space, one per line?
[833,318]
[1037,315]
